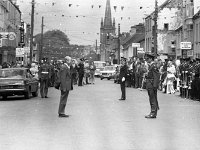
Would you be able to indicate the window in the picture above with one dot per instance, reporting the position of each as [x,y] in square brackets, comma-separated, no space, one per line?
[166,26]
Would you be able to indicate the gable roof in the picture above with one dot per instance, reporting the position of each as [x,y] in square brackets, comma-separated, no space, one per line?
[136,38]
[197,15]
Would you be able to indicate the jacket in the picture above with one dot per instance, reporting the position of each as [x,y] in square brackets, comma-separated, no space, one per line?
[64,78]
[123,72]
[153,77]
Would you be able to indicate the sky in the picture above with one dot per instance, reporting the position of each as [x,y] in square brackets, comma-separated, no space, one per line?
[80,19]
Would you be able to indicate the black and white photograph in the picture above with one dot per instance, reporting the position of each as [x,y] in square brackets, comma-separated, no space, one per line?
[99,74]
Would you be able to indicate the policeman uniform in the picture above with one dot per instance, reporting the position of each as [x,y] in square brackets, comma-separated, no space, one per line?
[44,72]
[122,78]
[80,72]
[152,83]
[195,85]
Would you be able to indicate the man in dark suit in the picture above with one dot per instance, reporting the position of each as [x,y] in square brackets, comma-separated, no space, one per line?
[122,77]
[64,77]
[81,72]
[152,83]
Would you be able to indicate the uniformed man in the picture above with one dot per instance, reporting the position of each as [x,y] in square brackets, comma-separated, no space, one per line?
[122,77]
[44,78]
[195,85]
[80,72]
[152,83]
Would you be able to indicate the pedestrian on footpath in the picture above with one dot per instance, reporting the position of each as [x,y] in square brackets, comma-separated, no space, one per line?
[152,83]
[65,80]
[92,72]
[43,73]
[122,77]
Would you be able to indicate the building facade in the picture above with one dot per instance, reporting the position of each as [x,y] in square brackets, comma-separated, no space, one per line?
[167,22]
[137,35]
[107,31]
[10,20]
[196,20]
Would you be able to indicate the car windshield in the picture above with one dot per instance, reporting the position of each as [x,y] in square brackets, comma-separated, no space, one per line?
[109,68]
[11,73]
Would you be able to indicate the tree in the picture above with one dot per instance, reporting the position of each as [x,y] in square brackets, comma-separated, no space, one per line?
[55,43]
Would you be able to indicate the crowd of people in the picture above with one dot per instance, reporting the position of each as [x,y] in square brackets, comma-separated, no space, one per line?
[177,75]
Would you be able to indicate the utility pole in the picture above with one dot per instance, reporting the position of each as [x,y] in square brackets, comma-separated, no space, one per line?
[118,43]
[96,46]
[32,29]
[41,41]
[155,34]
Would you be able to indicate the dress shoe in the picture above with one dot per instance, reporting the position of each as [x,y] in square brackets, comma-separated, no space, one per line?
[46,97]
[63,115]
[150,116]
[122,99]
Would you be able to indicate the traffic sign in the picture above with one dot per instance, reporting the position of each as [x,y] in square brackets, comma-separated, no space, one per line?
[186,45]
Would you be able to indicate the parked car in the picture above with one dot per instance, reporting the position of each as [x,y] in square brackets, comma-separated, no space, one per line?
[108,72]
[99,67]
[17,81]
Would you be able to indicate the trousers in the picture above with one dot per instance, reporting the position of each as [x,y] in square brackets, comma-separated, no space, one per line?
[153,101]
[44,87]
[123,90]
[63,101]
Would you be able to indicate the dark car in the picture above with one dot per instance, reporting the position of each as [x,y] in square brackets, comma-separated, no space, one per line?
[18,81]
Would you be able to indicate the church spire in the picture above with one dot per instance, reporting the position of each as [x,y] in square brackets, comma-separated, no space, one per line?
[101,22]
[108,18]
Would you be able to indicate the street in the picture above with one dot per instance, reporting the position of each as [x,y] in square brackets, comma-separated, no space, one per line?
[99,121]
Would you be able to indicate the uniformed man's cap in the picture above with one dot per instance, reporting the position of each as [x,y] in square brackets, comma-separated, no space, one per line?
[166,59]
[123,58]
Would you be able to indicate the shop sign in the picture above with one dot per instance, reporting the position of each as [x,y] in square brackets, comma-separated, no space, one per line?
[186,45]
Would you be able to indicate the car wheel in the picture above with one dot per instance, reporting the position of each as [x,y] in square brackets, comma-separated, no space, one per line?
[4,97]
[27,94]
[108,78]
[101,78]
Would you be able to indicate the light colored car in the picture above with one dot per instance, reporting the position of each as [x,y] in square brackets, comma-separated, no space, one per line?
[99,67]
[108,72]
[17,81]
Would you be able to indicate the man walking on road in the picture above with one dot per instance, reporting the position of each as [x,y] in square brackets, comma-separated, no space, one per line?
[152,82]
[122,77]
[65,80]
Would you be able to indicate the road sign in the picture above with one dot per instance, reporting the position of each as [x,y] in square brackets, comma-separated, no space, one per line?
[186,45]
[135,44]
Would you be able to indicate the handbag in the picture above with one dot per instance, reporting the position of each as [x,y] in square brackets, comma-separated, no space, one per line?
[57,85]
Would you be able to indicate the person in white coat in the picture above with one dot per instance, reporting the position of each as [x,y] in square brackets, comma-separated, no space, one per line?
[171,70]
